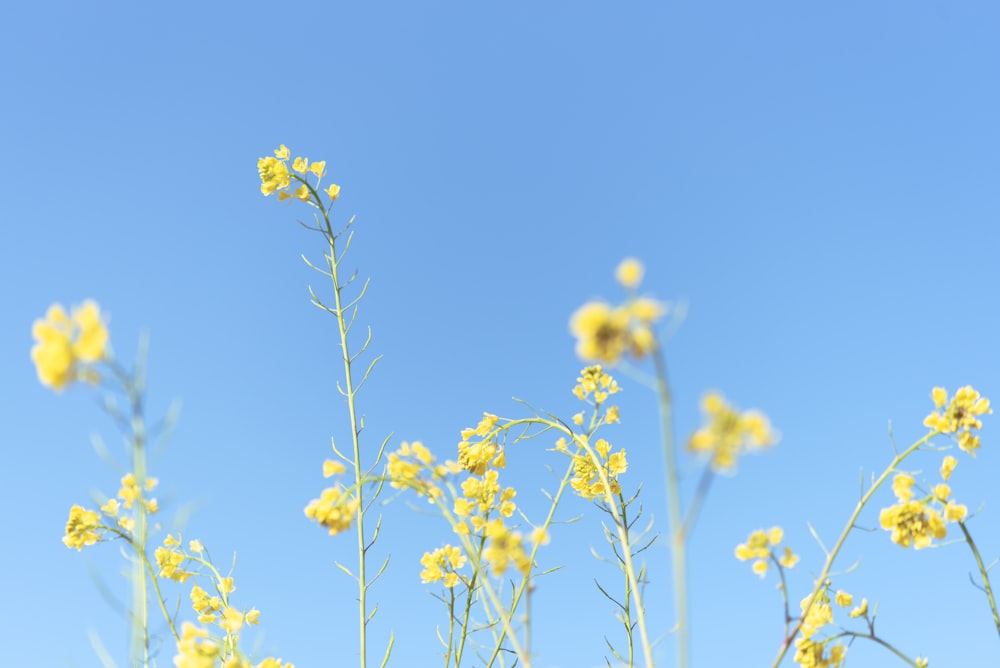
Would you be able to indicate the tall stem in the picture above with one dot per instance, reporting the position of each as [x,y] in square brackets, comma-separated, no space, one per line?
[140,612]
[349,391]
[674,510]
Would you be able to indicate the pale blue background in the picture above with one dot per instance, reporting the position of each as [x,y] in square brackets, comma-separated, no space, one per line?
[818,181]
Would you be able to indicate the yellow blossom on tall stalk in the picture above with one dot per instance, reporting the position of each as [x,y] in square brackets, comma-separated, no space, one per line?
[67,345]
[959,416]
[587,475]
[761,547]
[606,333]
[442,565]
[83,528]
[275,176]
[334,509]
[729,433]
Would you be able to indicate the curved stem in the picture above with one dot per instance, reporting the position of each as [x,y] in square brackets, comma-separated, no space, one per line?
[984,572]
[832,555]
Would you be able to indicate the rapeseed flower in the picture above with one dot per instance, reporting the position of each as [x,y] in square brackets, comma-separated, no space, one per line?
[334,509]
[959,416]
[195,649]
[505,548]
[629,273]
[83,528]
[442,565]
[586,479]
[276,176]
[761,547]
[729,433]
[65,345]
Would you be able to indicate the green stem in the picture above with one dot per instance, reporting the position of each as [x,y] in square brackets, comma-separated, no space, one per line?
[674,511]
[832,555]
[349,391]
[140,611]
[984,572]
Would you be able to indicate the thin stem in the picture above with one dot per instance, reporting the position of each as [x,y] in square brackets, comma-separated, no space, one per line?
[832,555]
[140,610]
[674,511]
[349,391]
[874,638]
[982,571]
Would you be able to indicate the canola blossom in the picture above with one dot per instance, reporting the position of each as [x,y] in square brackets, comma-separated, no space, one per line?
[66,346]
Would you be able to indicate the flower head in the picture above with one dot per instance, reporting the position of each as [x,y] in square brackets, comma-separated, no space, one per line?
[66,344]
[729,433]
[960,416]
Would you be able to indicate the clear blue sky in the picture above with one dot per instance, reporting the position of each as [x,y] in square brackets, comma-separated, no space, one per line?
[817,182]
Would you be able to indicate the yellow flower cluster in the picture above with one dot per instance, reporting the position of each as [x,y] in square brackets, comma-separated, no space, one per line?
[197,649]
[477,457]
[83,528]
[960,415]
[729,433]
[483,495]
[413,466]
[334,509]
[918,521]
[275,176]
[761,546]
[505,548]
[442,565]
[66,344]
[170,559]
[606,333]
[810,651]
[587,476]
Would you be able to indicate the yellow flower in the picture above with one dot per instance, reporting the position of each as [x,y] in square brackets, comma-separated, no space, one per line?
[955,512]
[170,562]
[333,191]
[300,165]
[273,175]
[759,546]
[902,487]
[843,599]
[282,153]
[83,528]
[602,332]
[505,548]
[947,466]
[442,565]
[629,273]
[789,558]
[860,611]
[232,620]
[65,344]
[960,416]
[729,433]
[913,523]
[334,509]
[318,168]
[195,649]
[331,468]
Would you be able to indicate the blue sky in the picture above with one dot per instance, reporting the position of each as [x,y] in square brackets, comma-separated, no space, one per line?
[816,182]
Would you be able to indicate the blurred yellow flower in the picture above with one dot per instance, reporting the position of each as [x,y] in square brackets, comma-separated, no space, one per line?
[629,273]
[729,433]
[64,344]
